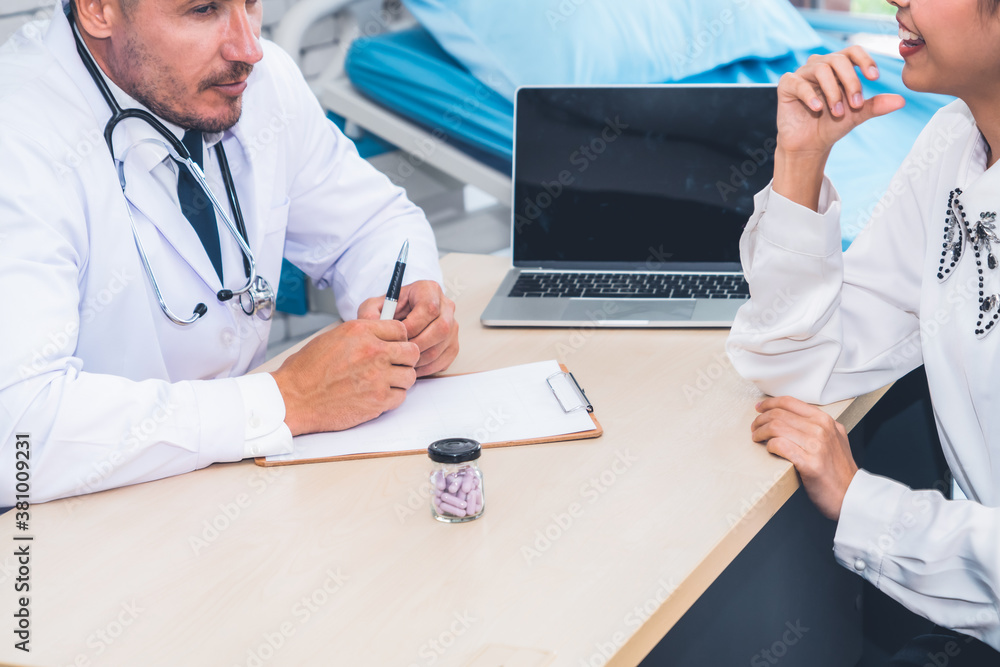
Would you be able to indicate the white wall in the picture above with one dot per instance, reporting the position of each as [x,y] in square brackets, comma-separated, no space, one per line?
[15,13]
[318,44]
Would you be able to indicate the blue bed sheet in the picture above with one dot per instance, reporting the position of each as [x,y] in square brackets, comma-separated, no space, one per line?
[411,74]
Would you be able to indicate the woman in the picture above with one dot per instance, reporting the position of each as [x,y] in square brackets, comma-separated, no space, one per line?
[920,285]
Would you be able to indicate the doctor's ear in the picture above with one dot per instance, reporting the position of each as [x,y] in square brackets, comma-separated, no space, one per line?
[97,18]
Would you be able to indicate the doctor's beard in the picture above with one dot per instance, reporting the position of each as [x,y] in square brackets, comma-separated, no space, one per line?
[149,81]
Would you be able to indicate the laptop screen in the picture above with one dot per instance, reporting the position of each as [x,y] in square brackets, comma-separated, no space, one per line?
[642,178]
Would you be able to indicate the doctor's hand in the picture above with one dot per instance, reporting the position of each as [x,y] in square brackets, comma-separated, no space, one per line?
[817,106]
[814,443]
[429,317]
[347,376]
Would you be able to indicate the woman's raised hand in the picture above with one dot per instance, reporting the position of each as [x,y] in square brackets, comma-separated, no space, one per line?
[817,106]
[822,101]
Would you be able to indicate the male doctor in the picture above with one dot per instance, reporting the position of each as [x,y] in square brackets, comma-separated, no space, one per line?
[110,390]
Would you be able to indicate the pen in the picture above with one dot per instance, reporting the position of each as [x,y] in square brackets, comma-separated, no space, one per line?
[392,294]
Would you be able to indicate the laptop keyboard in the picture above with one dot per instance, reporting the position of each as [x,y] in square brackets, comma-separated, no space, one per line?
[631,286]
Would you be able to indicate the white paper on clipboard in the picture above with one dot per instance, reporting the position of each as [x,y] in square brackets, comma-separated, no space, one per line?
[509,404]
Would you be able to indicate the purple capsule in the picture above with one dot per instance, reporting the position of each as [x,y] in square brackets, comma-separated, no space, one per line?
[439,480]
[454,486]
[467,481]
[453,500]
[451,509]
[474,502]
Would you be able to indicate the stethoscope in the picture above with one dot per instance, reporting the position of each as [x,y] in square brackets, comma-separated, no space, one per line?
[257,295]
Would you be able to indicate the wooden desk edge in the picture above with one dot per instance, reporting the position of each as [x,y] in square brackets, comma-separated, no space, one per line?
[694,586]
[859,407]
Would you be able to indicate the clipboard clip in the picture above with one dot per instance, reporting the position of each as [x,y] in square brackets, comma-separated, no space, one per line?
[568,392]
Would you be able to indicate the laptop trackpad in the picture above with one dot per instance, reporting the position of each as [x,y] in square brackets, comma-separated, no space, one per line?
[622,310]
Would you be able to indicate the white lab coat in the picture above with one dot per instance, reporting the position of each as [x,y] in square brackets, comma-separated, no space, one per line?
[110,391]
[823,325]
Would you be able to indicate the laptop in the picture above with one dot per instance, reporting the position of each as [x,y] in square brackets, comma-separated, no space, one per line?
[629,203]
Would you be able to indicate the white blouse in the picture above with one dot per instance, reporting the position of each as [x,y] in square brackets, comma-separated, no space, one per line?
[919,285]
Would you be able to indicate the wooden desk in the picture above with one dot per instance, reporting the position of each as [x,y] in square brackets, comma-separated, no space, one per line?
[342,564]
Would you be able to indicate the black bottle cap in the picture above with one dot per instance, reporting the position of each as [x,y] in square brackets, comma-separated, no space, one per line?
[454,450]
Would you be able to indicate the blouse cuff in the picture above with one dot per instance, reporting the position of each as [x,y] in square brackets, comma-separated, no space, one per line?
[801,230]
[869,525]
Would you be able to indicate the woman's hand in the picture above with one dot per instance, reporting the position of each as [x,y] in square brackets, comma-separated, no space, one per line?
[817,106]
[814,443]
[823,101]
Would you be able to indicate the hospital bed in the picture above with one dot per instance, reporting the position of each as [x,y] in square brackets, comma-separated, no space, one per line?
[391,78]
[369,24]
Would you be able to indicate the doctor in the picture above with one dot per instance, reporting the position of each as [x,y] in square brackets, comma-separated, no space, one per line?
[113,391]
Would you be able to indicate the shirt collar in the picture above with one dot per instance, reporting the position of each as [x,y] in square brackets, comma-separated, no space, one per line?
[980,153]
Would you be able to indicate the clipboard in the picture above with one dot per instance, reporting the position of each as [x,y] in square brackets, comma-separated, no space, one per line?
[570,398]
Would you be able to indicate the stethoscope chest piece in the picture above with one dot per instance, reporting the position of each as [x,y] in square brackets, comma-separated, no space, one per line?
[259,299]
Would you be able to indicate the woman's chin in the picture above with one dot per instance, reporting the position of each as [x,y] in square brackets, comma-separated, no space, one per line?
[914,81]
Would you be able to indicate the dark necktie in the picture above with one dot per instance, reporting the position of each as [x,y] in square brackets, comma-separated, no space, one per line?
[196,205]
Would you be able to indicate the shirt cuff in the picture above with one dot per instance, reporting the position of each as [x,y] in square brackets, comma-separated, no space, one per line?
[265,432]
[799,229]
[869,526]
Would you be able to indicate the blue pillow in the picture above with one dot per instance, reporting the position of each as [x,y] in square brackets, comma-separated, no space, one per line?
[510,43]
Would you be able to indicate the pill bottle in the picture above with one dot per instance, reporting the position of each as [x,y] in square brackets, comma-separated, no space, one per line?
[456,482]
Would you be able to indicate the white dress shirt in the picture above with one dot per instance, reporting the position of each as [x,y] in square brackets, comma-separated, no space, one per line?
[112,392]
[822,325]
